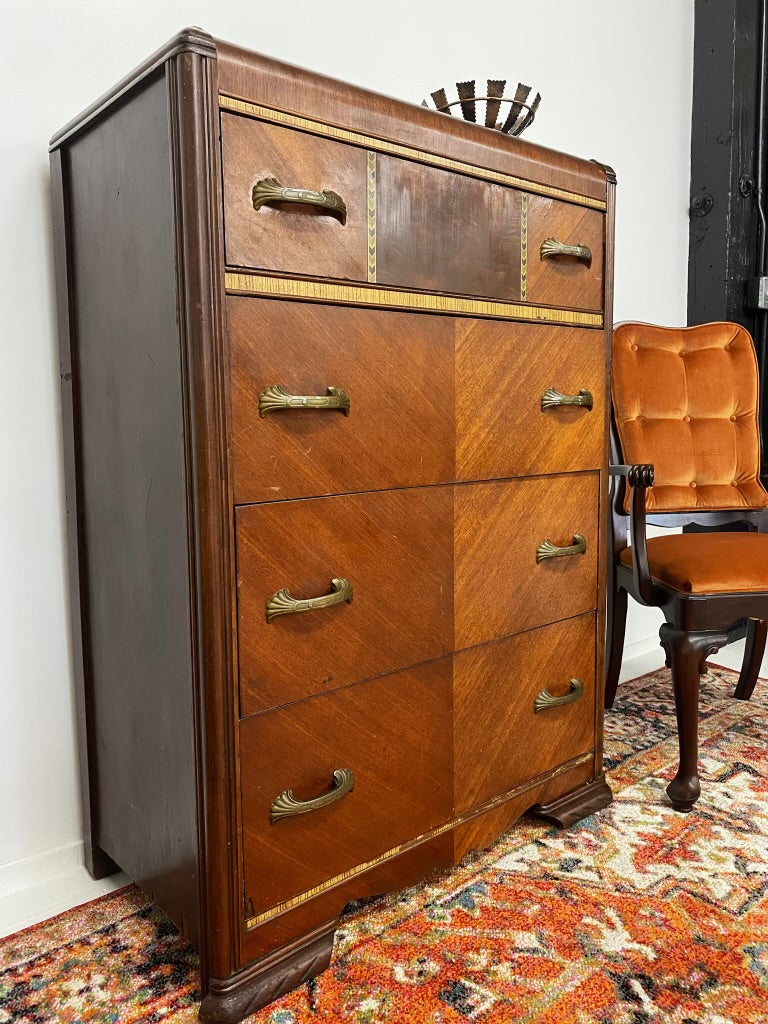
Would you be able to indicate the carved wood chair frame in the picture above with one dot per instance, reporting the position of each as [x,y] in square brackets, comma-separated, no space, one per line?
[696,625]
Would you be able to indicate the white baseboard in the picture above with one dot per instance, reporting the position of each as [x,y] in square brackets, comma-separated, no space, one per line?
[644,648]
[42,867]
[640,657]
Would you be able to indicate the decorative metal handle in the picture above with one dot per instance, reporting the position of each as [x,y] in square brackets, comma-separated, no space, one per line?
[549,550]
[282,603]
[552,398]
[269,190]
[545,701]
[275,398]
[286,805]
[551,249]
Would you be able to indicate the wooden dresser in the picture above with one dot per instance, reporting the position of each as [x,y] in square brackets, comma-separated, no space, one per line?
[334,393]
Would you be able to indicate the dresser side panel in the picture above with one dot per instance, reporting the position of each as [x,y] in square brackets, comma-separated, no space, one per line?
[132,500]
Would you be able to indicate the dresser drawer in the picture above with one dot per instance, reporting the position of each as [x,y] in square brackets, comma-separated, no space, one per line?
[565,281]
[501,740]
[503,372]
[294,237]
[404,374]
[396,370]
[500,588]
[446,232]
[297,203]
[394,735]
[395,548]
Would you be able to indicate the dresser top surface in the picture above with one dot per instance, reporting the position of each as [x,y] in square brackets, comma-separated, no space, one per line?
[250,76]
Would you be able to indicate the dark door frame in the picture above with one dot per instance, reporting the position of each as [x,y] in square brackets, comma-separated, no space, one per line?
[729,129]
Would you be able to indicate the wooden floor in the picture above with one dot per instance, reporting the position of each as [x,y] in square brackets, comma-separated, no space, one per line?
[56,894]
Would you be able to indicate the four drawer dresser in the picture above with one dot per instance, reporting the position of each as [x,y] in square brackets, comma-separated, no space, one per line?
[334,392]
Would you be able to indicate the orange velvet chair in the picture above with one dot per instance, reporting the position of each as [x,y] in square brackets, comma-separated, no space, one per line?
[686,442]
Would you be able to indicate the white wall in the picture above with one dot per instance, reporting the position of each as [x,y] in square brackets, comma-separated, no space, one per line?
[616,85]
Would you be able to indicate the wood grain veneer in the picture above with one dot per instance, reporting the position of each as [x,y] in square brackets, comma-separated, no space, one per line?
[464,395]
[395,547]
[499,587]
[564,280]
[297,238]
[495,689]
[475,252]
[178,305]
[477,832]
[397,369]
[502,372]
[394,734]
[430,568]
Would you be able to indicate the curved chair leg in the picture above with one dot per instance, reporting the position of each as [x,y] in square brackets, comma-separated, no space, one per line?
[617,623]
[687,653]
[757,631]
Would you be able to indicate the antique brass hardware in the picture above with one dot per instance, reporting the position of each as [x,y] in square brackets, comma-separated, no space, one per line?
[551,399]
[551,249]
[269,190]
[549,550]
[282,603]
[286,805]
[545,700]
[275,398]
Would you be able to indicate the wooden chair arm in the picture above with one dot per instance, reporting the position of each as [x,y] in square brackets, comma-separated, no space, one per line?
[639,479]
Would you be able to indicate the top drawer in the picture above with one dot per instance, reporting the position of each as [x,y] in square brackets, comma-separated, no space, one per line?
[298,238]
[349,213]
[564,267]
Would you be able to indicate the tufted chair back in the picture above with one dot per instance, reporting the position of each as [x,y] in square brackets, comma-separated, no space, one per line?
[685,399]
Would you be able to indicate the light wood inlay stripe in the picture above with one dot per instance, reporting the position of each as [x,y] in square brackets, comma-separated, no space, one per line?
[371,217]
[524,249]
[282,908]
[388,298]
[408,152]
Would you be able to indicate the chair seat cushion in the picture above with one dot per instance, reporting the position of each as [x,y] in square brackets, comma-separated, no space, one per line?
[708,563]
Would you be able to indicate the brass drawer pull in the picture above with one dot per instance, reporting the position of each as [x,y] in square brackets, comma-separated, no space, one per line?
[269,190]
[551,399]
[551,249]
[549,550]
[275,398]
[282,603]
[545,701]
[286,805]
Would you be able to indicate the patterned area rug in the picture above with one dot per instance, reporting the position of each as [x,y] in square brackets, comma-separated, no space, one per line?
[636,915]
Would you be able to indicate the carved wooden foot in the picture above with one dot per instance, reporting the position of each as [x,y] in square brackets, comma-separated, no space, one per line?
[687,652]
[230,1000]
[572,807]
[98,864]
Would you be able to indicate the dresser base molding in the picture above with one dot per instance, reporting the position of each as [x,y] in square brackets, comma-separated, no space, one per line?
[230,1000]
[572,807]
[577,797]
[279,971]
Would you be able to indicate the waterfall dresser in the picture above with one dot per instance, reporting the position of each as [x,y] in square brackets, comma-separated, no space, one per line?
[334,389]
